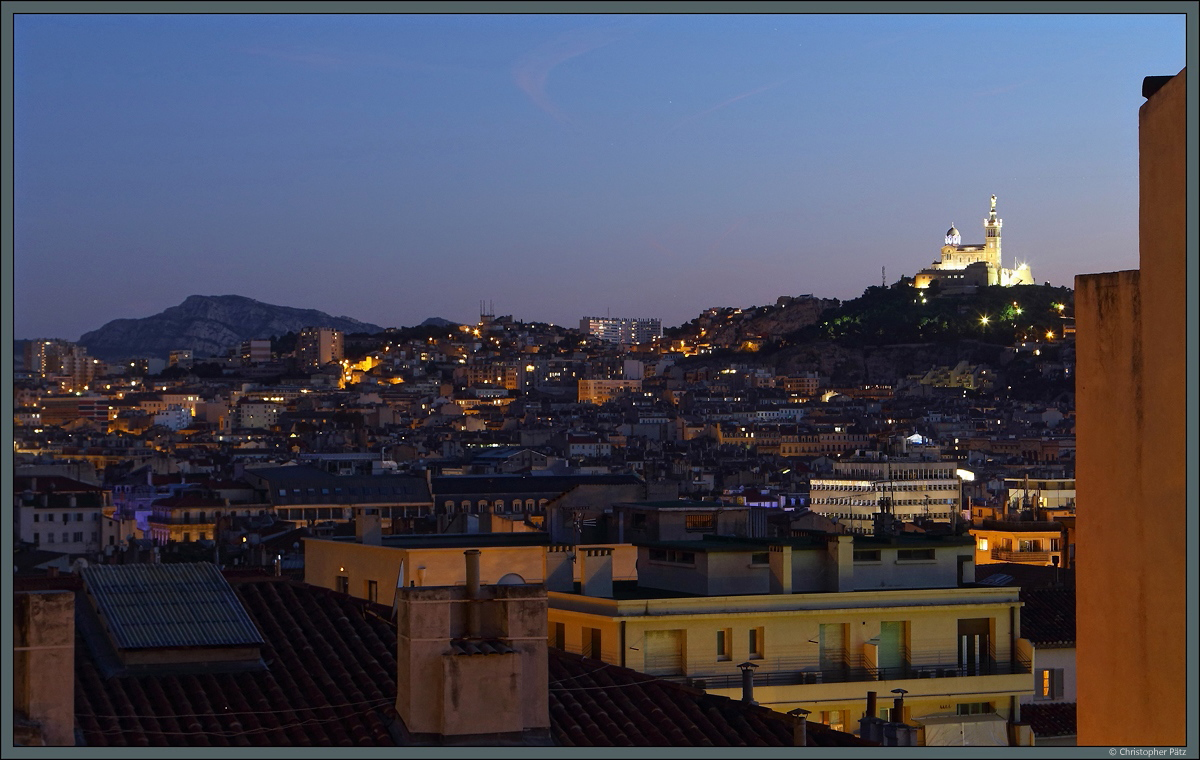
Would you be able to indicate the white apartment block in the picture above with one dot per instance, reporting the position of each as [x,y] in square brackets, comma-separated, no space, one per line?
[621,329]
[916,489]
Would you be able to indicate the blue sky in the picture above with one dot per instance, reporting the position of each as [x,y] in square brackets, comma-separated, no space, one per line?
[392,167]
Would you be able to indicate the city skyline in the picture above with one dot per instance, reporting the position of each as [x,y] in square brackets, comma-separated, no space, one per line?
[559,166]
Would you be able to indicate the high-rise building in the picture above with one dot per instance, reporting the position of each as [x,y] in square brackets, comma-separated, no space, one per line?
[318,346]
[621,329]
[968,266]
[61,361]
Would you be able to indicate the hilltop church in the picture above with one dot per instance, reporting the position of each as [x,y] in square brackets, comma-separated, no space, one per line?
[963,268]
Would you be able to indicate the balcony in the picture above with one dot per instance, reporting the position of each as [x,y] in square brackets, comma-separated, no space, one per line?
[784,676]
[1027,557]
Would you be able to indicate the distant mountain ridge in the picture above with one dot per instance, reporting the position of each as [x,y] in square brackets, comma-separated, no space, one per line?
[209,326]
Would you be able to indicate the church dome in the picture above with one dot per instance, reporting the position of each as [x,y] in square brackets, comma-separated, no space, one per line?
[952,232]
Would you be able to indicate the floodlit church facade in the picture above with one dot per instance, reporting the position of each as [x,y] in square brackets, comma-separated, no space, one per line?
[966,267]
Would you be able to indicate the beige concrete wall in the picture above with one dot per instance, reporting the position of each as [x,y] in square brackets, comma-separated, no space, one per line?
[1131,480]
[44,662]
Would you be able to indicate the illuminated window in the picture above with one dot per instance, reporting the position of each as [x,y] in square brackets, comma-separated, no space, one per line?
[983,544]
[1050,683]
[698,522]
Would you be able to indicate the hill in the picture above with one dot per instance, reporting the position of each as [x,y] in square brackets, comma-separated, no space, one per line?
[209,326]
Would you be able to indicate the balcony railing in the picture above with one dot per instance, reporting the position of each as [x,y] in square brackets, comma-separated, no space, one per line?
[856,674]
[1003,555]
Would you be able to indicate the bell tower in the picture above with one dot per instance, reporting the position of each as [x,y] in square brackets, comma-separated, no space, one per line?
[991,228]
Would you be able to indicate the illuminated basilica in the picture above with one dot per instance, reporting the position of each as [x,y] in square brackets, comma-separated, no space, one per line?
[963,268]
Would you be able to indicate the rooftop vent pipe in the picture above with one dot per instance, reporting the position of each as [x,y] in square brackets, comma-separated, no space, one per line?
[747,669]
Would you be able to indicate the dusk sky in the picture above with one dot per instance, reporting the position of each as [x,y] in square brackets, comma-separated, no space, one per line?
[392,168]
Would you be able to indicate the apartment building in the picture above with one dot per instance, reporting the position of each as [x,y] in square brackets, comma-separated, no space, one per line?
[621,329]
[819,620]
[318,346]
[909,489]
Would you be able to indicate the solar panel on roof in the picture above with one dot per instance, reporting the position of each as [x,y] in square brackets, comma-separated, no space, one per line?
[178,605]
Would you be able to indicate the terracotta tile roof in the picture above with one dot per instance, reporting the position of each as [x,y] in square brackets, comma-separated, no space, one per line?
[1050,719]
[1048,617]
[330,681]
[595,704]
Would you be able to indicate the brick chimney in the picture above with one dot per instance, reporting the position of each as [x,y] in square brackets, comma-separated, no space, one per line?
[472,663]
[44,662]
[595,571]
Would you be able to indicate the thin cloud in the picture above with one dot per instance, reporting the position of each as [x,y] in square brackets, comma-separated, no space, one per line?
[726,103]
[532,70]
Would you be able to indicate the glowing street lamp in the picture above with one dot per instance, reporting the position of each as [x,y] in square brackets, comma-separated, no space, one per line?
[984,320]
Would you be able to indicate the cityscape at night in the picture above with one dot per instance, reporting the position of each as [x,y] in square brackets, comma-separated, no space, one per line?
[558,380]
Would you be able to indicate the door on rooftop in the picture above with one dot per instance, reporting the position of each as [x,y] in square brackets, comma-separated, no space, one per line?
[664,653]
[832,645]
[890,656]
[974,645]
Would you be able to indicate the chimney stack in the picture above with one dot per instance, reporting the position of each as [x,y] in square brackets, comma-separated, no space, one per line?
[800,729]
[898,705]
[595,572]
[472,556]
[748,682]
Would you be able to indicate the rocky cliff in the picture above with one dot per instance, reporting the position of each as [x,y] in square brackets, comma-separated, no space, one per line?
[209,326]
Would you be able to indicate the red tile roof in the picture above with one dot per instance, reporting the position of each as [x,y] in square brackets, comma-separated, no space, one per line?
[1050,719]
[1048,617]
[330,681]
[595,704]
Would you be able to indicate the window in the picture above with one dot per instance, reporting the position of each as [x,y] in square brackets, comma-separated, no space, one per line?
[975,708]
[1050,683]
[342,584]
[868,555]
[36,517]
[95,536]
[760,558]
[725,644]
[914,554]
[592,643]
[983,544]
[37,539]
[50,517]
[186,537]
[560,636]
[698,522]
[835,719]
[638,522]
[372,591]
[78,517]
[672,555]
[756,643]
